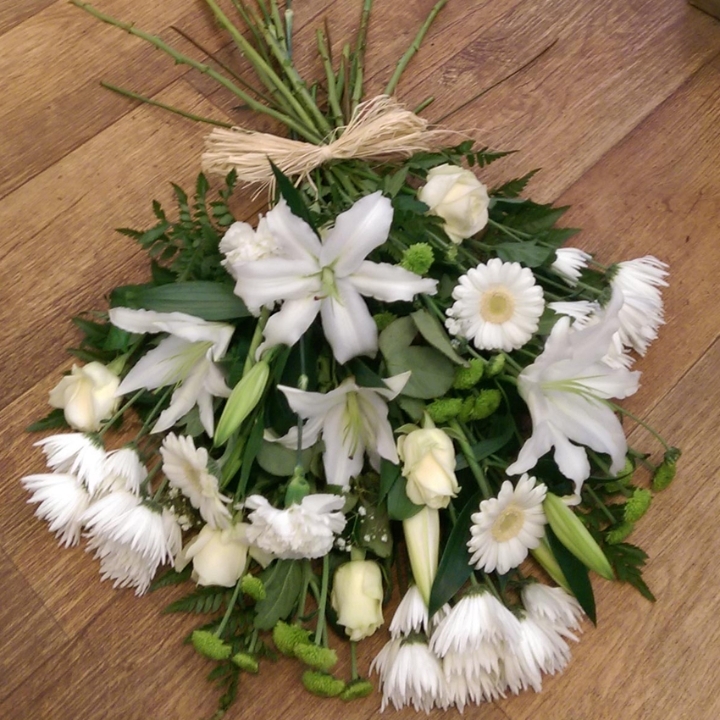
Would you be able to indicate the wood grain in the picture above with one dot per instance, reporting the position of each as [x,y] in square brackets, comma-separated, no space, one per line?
[618,101]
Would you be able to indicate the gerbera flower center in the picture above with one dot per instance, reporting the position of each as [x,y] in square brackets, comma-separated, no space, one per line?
[497,305]
[508,524]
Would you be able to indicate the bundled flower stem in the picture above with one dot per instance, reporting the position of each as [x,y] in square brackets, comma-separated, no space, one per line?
[394,350]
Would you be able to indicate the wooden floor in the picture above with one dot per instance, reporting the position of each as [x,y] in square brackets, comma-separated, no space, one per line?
[618,101]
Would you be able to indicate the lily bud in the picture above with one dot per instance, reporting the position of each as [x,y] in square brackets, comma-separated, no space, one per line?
[429,468]
[357,596]
[422,536]
[242,401]
[575,536]
[544,555]
[86,396]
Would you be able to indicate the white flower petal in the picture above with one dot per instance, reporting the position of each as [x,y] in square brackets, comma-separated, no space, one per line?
[160,366]
[295,238]
[343,456]
[390,283]
[288,325]
[264,282]
[348,325]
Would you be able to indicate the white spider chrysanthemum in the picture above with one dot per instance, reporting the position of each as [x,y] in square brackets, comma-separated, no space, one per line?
[569,264]
[62,501]
[124,470]
[553,605]
[241,244]
[411,615]
[409,675]
[641,314]
[75,454]
[497,305]
[508,526]
[131,538]
[477,621]
[304,530]
[186,467]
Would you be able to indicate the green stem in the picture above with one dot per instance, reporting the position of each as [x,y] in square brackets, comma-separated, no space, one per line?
[230,608]
[200,67]
[414,47]
[599,503]
[153,413]
[514,234]
[358,69]
[333,100]
[161,488]
[472,462]
[170,108]
[353,661]
[120,412]
[424,104]
[640,422]
[320,629]
[256,339]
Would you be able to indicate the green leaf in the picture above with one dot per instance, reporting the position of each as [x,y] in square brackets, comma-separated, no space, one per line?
[283,583]
[454,568]
[430,328]
[513,188]
[364,376]
[207,300]
[397,336]
[399,505]
[528,253]
[392,184]
[432,373]
[575,573]
[279,460]
[54,419]
[628,560]
[389,473]
[505,427]
[292,196]
[254,443]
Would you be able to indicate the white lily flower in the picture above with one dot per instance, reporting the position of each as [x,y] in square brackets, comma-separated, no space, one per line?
[565,389]
[327,278]
[352,421]
[187,356]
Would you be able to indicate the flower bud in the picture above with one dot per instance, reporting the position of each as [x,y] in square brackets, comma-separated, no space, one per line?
[418,258]
[247,662]
[665,473]
[429,467]
[618,534]
[253,587]
[575,536]
[357,596]
[242,401]
[287,637]
[422,537]
[322,684]
[468,377]
[637,505]
[355,689]
[218,556]
[459,198]
[444,409]
[544,555]
[209,645]
[320,658]
[87,396]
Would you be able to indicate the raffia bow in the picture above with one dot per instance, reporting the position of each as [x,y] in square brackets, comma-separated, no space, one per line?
[379,129]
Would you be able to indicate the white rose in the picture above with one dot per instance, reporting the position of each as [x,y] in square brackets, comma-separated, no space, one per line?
[357,598]
[87,396]
[429,467]
[459,198]
[218,556]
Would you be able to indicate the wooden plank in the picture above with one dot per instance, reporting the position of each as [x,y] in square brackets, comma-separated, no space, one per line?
[64,236]
[30,634]
[12,14]
[711,7]
[46,114]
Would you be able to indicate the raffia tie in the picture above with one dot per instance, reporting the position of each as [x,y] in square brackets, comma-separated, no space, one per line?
[379,129]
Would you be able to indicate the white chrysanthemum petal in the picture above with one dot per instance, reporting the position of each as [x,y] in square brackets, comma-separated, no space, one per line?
[569,264]
[497,305]
[123,469]
[553,605]
[125,566]
[305,530]
[75,454]
[411,614]
[185,466]
[508,526]
[62,502]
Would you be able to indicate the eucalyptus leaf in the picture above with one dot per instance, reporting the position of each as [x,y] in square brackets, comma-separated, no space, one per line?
[432,373]
[389,473]
[454,568]
[397,336]
[283,584]
[399,505]
[279,460]
[436,336]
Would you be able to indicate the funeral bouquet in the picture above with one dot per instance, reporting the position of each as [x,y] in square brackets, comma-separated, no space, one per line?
[395,378]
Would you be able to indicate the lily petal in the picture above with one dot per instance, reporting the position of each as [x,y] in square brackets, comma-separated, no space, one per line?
[348,325]
[357,232]
[159,367]
[182,401]
[263,282]
[293,235]
[343,456]
[390,283]
[288,325]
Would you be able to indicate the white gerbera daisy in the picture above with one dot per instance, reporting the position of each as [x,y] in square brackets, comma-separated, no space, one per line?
[508,526]
[75,454]
[569,264]
[186,467]
[411,615]
[642,310]
[498,305]
[409,675]
[123,470]
[63,500]
[305,530]
[121,521]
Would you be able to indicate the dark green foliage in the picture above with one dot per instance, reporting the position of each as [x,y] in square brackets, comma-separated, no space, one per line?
[203,600]
[627,561]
